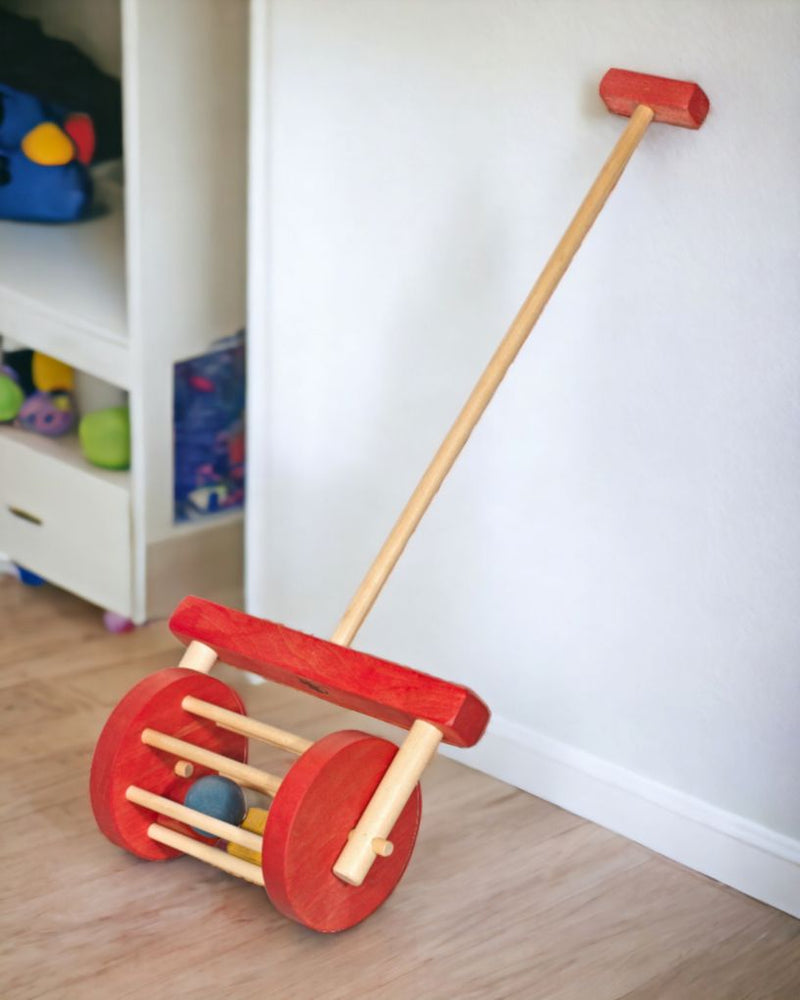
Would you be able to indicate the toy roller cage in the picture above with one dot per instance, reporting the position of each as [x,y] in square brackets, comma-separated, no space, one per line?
[179,716]
[343,821]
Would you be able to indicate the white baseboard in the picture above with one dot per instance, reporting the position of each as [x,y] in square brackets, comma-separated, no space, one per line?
[729,848]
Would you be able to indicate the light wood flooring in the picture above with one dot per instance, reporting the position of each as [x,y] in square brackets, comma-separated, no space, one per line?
[505,896]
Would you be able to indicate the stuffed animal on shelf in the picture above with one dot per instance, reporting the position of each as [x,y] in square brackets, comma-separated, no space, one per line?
[12,395]
[105,437]
[49,409]
[48,413]
[44,155]
[49,373]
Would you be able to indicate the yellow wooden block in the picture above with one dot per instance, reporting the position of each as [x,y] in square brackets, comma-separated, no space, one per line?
[49,373]
[48,145]
[254,821]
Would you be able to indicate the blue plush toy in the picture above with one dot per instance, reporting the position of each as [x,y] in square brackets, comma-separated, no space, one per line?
[216,796]
[44,152]
[21,114]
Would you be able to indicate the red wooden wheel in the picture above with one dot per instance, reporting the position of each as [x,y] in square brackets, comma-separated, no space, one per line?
[319,802]
[121,759]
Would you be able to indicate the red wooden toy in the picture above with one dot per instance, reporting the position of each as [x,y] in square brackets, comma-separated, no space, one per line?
[342,823]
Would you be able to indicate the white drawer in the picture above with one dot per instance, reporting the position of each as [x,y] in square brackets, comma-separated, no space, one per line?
[64,519]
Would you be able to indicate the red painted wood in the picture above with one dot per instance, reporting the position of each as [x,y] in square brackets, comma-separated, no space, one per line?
[346,677]
[80,128]
[121,759]
[319,802]
[675,102]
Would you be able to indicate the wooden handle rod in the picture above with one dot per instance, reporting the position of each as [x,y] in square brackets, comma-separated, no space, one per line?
[244,774]
[516,336]
[392,793]
[204,852]
[192,817]
[238,723]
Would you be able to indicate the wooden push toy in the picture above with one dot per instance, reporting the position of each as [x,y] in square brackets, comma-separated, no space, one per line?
[342,823]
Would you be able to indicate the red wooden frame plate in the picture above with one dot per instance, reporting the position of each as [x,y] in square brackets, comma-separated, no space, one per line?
[319,802]
[121,759]
[354,680]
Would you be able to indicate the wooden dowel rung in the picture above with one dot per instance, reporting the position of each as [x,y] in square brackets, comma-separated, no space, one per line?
[203,852]
[192,817]
[244,774]
[238,723]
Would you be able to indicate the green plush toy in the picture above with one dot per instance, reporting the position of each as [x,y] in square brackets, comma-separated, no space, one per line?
[106,438]
[11,397]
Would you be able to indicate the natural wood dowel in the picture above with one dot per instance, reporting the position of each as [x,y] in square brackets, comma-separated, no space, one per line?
[493,375]
[204,852]
[243,724]
[199,657]
[192,817]
[183,769]
[387,802]
[244,774]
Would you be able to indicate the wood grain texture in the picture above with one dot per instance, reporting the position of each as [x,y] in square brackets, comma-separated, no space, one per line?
[674,102]
[315,809]
[388,801]
[121,758]
[505,896]
[346,677]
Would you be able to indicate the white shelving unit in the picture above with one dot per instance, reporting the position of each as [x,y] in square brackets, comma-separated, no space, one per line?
[62,289]
[156,276]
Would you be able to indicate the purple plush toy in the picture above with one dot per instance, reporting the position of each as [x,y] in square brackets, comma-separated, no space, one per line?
[48,413]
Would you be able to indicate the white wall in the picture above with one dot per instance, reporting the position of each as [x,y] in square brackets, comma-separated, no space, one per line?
[614,563]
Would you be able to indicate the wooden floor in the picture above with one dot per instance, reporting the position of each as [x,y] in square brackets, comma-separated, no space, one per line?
[506,895]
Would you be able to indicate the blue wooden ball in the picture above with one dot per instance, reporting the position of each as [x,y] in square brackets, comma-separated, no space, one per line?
[218,797]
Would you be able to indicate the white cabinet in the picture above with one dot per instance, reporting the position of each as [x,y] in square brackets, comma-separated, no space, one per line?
[157,278]
[69,523]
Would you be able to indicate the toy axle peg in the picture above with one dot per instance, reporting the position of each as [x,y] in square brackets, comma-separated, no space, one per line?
[243,774]
[238,723]
[193,817]
[383,848]
[197,656]
[387,802]
[203,852]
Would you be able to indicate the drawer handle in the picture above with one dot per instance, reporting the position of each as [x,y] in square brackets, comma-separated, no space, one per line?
[23,515]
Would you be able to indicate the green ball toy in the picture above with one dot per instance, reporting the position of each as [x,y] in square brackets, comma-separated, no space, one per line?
[105,437]
[11,398]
